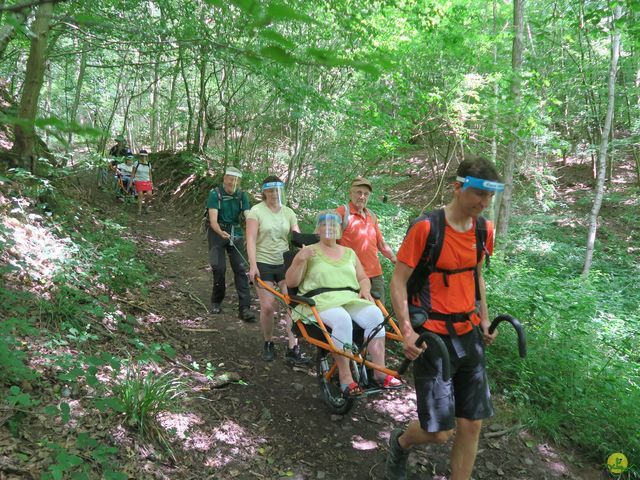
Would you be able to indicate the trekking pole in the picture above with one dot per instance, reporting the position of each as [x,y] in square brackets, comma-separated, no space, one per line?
[522,340]
[433,341]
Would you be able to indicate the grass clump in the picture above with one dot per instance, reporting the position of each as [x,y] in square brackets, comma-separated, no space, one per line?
[143,394]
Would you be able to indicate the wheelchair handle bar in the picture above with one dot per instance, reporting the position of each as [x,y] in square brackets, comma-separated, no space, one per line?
[522,339]
[433,341]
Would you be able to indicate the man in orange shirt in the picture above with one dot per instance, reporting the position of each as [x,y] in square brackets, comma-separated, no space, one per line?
[362,234]
[451,302]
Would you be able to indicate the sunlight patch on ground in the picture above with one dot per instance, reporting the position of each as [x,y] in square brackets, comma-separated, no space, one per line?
[150,319]
[228,442]
[180,423]
[195,323]
[32,251]
[554,463]
[47,353]
[359,443]
[160,247]
[399,406]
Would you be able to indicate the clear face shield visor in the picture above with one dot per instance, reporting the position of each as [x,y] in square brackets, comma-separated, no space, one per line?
[274,193]
[231,182]
[488,191]
[329,226]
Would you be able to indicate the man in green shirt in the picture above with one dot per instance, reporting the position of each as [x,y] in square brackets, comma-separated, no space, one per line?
[225,208]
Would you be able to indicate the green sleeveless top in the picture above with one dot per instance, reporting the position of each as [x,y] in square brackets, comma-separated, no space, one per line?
[324,272]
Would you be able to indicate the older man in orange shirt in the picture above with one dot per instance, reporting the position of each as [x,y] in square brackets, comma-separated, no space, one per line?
[362,234]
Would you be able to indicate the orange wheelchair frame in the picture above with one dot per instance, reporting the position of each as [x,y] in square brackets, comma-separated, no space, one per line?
[327,370]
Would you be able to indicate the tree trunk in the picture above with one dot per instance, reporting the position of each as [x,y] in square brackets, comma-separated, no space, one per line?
[494,134]
[504,209]
[634,149]
[8,31]
[602,154]
[82,65]
[25,135]
[167,140]
[127,110]
[202,102]
[103,139]
[189,104]
[154,108]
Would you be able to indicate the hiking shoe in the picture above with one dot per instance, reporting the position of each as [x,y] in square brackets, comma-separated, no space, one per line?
[295,356]
[246,315]
[215,308]
[269,352]
[396,468]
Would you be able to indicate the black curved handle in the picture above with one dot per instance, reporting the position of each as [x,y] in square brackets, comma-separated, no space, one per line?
[522,339]
[433,341]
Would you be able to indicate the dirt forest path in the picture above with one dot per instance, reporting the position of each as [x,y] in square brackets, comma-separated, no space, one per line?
[272,424]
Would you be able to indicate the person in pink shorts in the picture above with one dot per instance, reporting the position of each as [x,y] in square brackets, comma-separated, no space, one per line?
[143,181]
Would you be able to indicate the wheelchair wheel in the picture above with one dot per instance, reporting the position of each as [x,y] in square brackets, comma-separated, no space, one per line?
[330,389]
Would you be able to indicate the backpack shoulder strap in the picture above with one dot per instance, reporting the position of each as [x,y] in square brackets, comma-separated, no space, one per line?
[481,249]
[435,239]
[219,197]
[240,197]
[432,248]
[481,239]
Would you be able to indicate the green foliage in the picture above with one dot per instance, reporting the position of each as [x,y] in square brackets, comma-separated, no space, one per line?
[209,369]
[580,381]
[67,307]
[18,398]
[78,462]
[143,394]
[15,307]
[119,269]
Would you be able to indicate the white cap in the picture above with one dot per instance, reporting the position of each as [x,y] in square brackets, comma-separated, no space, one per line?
[233,171]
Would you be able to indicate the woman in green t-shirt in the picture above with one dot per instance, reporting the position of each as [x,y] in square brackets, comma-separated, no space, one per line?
[329,265]
[268,226]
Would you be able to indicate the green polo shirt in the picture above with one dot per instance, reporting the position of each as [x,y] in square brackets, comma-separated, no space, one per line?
[230,207]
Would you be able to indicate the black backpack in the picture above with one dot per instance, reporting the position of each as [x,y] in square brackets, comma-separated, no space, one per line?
[427,264]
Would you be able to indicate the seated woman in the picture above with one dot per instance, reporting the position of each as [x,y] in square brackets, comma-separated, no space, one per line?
[329,265]
[125,170]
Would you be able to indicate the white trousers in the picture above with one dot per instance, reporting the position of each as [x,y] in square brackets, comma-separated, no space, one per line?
[339,319]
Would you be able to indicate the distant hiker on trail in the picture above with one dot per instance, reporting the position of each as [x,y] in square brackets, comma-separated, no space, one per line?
[226,207]
[120,149]
[361,232]
[334,277]
[269,224]
[108,175]
[143,181]
[438,286]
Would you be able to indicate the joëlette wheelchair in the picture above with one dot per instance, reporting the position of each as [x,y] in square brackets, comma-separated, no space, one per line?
[125,188]
[315,332]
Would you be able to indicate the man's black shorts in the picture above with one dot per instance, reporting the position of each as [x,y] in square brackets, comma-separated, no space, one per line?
[271,273]
[465,395]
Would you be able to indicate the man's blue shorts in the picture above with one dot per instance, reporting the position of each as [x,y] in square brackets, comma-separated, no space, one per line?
[465,395]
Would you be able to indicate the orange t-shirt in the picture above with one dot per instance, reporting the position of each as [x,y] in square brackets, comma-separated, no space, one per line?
[363,236]
[458,251]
